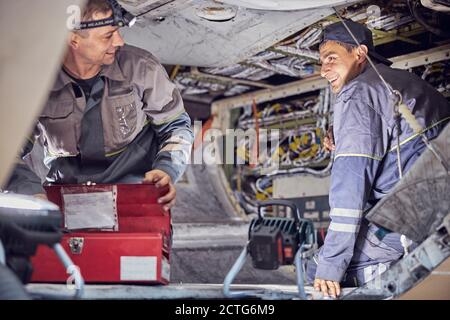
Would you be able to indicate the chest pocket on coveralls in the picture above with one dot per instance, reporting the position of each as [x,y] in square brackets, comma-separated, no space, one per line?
[58,125]
[123,113]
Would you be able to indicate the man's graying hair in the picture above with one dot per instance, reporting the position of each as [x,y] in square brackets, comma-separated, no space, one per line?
[94,6]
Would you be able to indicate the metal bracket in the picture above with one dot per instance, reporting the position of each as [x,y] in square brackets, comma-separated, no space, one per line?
[409,271]
[444,231]
[76,245]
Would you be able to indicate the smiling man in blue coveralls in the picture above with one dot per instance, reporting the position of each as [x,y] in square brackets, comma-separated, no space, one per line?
[365,163]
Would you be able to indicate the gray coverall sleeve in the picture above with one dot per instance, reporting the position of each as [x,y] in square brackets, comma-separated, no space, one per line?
[164,107]
[175,143]
[23,180]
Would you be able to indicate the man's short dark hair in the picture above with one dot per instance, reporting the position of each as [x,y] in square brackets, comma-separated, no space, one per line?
[348,47]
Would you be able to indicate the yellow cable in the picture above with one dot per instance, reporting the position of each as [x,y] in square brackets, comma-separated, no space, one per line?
[409,118]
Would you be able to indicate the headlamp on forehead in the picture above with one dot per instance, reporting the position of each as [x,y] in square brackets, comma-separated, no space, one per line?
[120,18]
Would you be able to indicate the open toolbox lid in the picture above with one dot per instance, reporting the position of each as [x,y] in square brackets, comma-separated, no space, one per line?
[134,206]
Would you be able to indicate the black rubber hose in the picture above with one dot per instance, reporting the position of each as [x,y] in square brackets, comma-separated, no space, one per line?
[10,286]
[443,2]
[415,8]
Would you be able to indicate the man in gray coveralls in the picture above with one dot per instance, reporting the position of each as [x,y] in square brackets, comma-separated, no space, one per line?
[112,115]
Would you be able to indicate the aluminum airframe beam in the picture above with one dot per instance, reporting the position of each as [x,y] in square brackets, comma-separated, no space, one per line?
[421,58]
[171,291]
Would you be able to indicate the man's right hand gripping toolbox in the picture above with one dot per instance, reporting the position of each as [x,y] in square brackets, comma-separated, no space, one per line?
[115,234]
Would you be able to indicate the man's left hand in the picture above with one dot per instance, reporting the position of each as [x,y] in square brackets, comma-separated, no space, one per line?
[328,287]
[328,141]
[161,180]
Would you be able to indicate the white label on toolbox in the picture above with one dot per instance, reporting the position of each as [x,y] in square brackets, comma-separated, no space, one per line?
[165,269]
[138,268]
[90,210]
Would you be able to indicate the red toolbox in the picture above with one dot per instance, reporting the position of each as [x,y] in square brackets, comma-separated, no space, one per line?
[115,234]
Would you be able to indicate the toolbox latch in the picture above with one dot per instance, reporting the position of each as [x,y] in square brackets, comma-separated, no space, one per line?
[76,245]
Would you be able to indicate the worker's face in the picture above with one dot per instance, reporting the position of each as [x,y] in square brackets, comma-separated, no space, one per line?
[99,45]
[340,66]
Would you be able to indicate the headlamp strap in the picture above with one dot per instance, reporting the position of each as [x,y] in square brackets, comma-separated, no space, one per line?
[96,23]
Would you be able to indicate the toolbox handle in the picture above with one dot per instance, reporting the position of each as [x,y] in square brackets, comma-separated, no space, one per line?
[281,202]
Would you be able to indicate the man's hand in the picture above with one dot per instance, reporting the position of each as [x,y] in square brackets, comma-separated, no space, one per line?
[328,141]
[42,196]
[162,179]
[327,287]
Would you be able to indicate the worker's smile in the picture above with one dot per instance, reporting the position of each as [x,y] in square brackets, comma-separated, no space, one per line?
[333,79]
